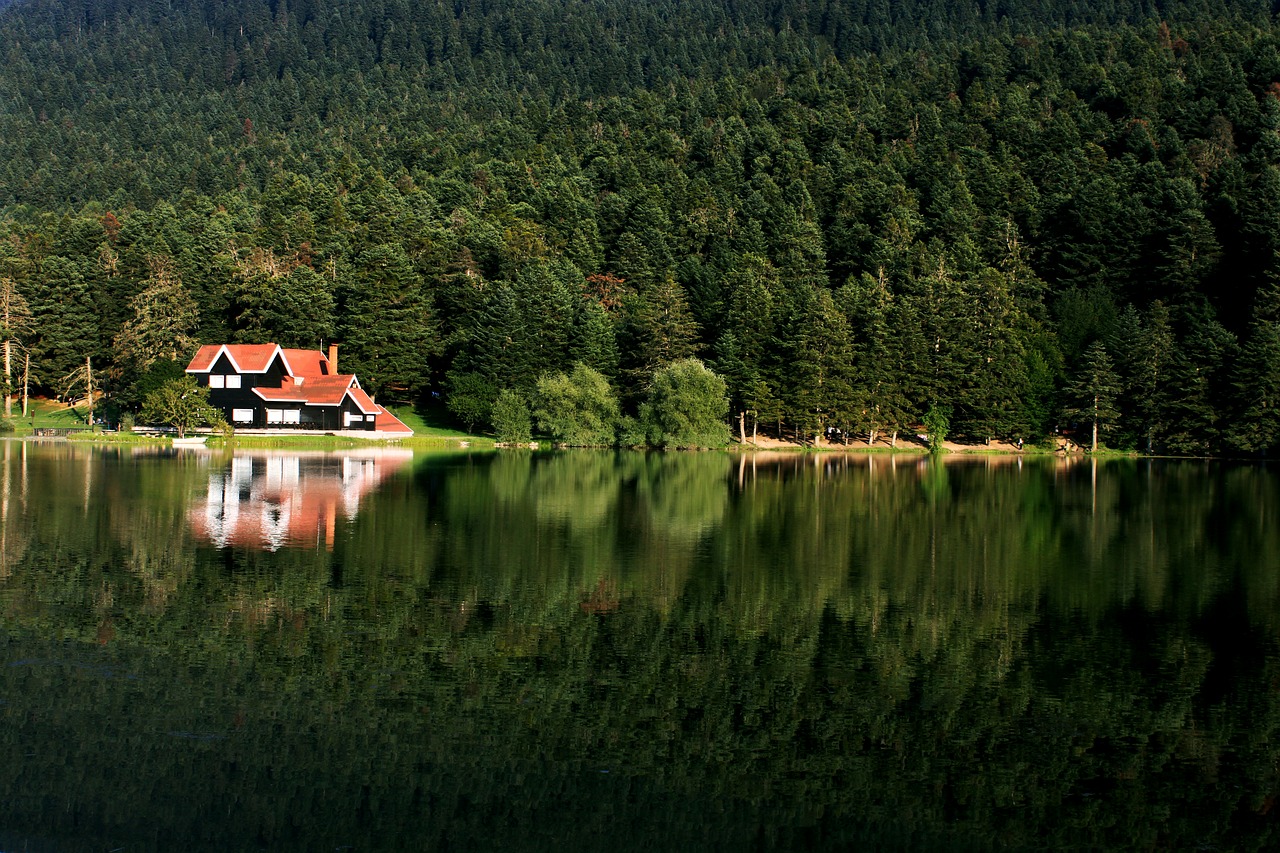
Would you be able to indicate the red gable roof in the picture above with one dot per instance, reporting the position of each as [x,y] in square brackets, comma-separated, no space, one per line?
[316,390]
[362,400]
[247,358]
[308,363]
[387,422]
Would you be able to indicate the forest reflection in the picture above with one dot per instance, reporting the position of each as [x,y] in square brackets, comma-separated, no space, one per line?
[714,651]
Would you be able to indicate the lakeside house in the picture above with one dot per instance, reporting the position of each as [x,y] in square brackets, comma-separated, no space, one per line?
[264,387]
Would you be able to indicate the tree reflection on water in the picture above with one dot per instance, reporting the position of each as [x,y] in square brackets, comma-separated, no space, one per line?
[695,651]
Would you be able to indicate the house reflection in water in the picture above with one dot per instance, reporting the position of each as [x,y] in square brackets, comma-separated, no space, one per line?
[271,500]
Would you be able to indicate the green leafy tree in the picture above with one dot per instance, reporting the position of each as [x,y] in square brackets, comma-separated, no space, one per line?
[182,404]
[937,423]
[511,421]
[579,409]
[687,407]
[470,397]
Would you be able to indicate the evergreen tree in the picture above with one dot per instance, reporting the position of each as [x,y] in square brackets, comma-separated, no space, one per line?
[1091,395]
[388,328]
[1256,378]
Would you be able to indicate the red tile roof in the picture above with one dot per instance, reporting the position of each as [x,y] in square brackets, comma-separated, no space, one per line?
[247,358]
[362,400]
[387,422]
[306,362]
[316,390]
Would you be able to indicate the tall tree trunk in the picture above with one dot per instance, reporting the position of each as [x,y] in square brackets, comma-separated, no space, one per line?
[26,380]
[1095,424]
[742,426]
[8,378]
[88,381]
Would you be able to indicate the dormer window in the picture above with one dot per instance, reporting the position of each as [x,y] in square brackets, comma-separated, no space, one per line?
[217,380]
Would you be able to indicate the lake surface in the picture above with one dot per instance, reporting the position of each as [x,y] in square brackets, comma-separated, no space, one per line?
[586,651]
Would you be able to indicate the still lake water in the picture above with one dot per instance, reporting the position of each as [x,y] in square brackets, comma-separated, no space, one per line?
[586,651]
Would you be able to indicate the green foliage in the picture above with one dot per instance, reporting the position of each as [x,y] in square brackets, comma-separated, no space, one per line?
[511,421]
[1091,395]
[578,409]
[182,404]
[687,407]
[937,423]
[471,398]
[8,425]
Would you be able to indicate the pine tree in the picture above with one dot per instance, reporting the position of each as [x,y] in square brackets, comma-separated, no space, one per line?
[1256,377]
[1091,396]
[389,332]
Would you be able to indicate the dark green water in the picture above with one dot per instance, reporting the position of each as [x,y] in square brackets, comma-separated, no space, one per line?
[635,652]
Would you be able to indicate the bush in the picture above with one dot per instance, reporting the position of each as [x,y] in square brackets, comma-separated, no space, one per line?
[687,407]
[126,422]
[470,399]
[937,421]
[511,421]
[181,403]
[579,409]
[7,425]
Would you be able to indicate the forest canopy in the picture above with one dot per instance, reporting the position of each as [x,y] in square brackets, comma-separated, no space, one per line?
[853,212]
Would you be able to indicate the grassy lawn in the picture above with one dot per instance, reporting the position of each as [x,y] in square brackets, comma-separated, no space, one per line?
[47,414]
[421,429]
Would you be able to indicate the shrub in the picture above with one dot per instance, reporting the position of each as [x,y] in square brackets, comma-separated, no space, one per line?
[687,407]
[579,409]
[937,421]
[471,397]
[511,421]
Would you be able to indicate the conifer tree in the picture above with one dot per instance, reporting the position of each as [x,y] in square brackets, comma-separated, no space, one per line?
[1091,395]
[1256,377]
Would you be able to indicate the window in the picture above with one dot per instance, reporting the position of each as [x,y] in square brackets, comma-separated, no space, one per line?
[233,380]
[242,416]
[350,419]
[370,418]
[275,416]
[293,416]
[216,380]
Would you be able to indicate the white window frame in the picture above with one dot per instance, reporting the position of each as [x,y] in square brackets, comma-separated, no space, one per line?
[293,416]
[242,416]
[370,418]
[275,416]
[233,380]
[217,380]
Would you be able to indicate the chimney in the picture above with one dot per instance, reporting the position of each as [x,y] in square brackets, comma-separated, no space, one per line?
[333,358]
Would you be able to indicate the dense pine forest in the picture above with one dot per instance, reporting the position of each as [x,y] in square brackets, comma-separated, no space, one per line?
[1021,217]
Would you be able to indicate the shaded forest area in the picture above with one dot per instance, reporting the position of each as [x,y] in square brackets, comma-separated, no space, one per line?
[1030,218]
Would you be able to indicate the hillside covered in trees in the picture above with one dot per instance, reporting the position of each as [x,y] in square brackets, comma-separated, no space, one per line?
[1031,215]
